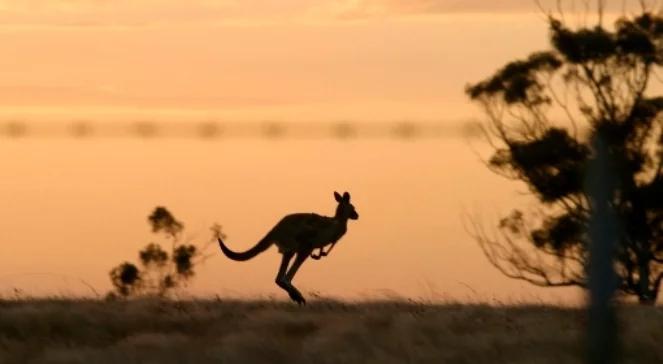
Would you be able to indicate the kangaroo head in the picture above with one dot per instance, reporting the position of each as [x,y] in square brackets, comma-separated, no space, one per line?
[345,210]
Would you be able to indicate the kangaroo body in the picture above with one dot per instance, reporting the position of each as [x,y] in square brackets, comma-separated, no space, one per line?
[314,231]
[297,235]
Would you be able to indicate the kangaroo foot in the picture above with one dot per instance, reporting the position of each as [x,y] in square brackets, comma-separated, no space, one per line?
[296,296]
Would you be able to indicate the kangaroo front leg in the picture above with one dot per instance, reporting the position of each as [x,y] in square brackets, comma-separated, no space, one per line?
[323,253]
[299,259]
[320,254]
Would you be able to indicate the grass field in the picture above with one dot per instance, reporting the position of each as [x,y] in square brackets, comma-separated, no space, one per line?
[218,331]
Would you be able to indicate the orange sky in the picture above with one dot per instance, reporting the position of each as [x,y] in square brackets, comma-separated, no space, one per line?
[251,59]
[78,207]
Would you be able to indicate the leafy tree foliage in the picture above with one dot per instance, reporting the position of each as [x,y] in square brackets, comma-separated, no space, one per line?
[125,278]
[161,271]
[542,112]
[162,220]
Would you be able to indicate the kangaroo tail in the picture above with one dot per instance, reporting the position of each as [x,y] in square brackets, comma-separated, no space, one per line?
[265,243]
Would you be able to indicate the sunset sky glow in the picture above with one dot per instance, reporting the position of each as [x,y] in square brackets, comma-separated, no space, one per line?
[77,208]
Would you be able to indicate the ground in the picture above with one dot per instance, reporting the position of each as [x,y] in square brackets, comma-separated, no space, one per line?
[231,331]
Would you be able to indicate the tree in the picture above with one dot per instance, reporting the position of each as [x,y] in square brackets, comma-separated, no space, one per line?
[543,111]
[161,272]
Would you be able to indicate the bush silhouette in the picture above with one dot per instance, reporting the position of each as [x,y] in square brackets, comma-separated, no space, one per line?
[161,271]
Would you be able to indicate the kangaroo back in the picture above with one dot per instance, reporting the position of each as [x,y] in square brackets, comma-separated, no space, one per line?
[262,245]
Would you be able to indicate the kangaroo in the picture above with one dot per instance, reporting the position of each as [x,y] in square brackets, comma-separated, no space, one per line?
[322,252]
[297,235]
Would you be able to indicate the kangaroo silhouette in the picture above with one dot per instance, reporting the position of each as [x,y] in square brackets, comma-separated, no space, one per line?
[297,235]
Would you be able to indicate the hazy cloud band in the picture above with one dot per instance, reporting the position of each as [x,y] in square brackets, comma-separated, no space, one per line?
[148,12]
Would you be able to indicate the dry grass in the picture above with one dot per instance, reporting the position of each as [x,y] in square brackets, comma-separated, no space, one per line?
[213,331]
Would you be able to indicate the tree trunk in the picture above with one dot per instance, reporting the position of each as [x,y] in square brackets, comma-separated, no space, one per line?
[643,280]
[651,296]
[647,300]
[602,334]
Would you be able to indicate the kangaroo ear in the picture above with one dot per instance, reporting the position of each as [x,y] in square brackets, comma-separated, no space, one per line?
[346,197]
[337,196]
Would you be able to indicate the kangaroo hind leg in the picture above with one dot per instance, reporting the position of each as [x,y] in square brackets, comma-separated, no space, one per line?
[281,279]
[299,259]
